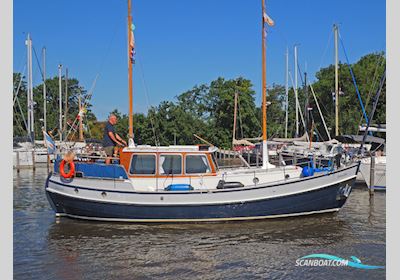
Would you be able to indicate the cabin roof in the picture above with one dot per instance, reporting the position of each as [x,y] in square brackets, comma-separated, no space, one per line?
[359,138]
[175,148]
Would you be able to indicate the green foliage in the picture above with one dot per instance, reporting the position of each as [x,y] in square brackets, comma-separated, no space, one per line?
[52,105]
[368,71]
[207,110]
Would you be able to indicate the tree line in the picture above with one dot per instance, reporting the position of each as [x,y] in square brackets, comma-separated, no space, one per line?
[207,109]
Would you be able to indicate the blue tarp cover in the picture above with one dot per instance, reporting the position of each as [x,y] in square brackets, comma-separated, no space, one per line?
[97,170]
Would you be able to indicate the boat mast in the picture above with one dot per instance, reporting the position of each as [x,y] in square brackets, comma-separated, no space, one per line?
[295,91]
[130,88]
[234,119]
[44,91]
[287,91]
[28,96]
[335,30]
[66,103]
[306,112]
[265,162]
[80,118]
[60,102]
[31,128]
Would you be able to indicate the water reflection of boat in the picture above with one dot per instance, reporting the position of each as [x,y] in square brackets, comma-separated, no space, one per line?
[273,231]
[184,183]
[139,250]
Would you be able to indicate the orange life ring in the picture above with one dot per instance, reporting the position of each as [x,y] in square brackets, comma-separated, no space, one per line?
[71,169]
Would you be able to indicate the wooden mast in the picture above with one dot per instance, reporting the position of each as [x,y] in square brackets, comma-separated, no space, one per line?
[264,82]
[264,89]
[130,88]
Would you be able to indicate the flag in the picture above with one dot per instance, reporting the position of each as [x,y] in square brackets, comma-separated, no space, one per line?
[268,20]
[132,45]
[49,143]
[81,113]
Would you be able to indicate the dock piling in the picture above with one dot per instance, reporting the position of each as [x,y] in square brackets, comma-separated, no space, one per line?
[18,166]
[33,160]
[372,175]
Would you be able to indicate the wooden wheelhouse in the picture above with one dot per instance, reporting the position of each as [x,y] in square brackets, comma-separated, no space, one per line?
[168,161]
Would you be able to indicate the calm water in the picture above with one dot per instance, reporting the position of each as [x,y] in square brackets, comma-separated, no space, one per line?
[46,247]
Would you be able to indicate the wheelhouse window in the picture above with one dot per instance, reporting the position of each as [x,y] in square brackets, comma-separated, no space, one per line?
[143,165]
[170,164]
[196,164]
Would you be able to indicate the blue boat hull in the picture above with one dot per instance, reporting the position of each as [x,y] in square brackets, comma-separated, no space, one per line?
[328,199]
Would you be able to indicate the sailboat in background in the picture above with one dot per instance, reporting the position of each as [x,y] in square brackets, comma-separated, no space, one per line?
[184,183]
[28,151]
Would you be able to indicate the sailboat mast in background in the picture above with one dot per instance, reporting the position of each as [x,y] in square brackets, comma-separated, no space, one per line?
[60,102]
[80,117]
[31,122]
[287,91]
[44,90]
[66,103]
[295,91]
[234,119]
[335,30]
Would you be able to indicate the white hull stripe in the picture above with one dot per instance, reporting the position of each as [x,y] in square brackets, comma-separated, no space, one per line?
[196,220]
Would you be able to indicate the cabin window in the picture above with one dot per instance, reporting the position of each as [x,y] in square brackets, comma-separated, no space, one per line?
[197,164]
[170,164]
[143,165]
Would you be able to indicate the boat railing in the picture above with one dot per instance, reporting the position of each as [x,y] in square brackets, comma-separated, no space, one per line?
[93,158]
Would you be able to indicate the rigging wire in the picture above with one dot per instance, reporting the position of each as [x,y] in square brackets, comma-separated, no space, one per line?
[326,49]
[85,103]
[319,110]
[372,88]
[38,63]
[23,64]
[301,77]
[301,113]
[19,85]
[22,114]
[16,97]
[354,79]
[100,70]
[146,90]
[17,120]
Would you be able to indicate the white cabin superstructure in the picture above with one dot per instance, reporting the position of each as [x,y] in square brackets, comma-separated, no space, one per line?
[151,168]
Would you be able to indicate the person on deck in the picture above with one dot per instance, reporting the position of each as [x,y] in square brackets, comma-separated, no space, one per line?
[110,138]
